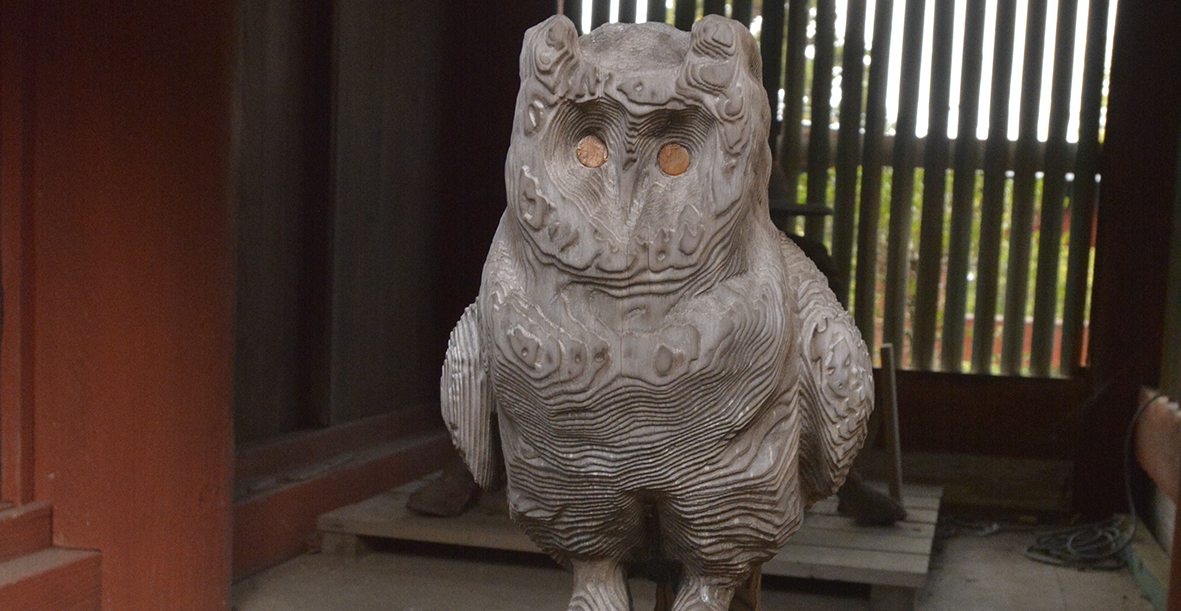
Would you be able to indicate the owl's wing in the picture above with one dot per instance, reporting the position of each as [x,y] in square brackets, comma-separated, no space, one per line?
[466,400]
[836,380]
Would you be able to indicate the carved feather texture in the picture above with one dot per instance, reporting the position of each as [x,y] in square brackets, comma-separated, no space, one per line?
[466,399]
[836,376]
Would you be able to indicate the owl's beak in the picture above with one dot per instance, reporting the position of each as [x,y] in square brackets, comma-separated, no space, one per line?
[627,183]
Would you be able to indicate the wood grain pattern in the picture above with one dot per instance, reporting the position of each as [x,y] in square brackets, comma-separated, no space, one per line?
[668,375]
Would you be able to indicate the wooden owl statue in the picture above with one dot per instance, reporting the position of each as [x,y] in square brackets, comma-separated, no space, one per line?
[662,375]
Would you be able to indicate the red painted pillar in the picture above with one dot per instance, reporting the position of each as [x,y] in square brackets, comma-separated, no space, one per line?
[117,252]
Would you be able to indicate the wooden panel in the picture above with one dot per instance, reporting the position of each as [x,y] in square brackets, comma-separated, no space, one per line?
[384,353]
[52,580]
[275,526]
[1021,216]
[935,160]
[1139,162]
[993,197]
[848,151]
[17,198]
[1045,300]
[902,185]
[870,211]
[25,529]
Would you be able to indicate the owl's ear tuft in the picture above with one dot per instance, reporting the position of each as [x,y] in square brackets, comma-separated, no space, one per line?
[724,39]
[547,46]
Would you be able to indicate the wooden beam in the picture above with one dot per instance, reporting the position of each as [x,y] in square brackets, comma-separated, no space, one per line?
[275,525]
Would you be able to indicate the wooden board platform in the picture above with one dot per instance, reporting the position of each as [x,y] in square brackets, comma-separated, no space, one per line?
[828,546]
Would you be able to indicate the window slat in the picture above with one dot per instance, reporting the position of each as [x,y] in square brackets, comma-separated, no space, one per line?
[819,151]
[1045,299]
[1082,201]
[714,7]
[740,10]
[848,145]
[1024,183]
[869,213]
[573,10]
[771,48]
[627,11]
[684,14]
[791,152]
[996,153]
[657,11]
[934,190]
[600,13]
[902,187]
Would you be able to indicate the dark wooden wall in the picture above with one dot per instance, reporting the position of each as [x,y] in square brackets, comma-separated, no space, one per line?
[118,288]
[1138,166]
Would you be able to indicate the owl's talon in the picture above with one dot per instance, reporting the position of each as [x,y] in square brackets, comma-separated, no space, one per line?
[599,585]
[698,594]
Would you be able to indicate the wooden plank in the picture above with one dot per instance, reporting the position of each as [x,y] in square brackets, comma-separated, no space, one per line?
[18,199]
[935,160]
[993,197]
[916,529]
[52,580]
[1024,179]
[25,529]
[684,14]
[274,526]
[740,10]
[813,562]
[627,11]
[304,448]
[1045,301]
[1085,189]
[848,146]
[791,145]
[771,49]
[889,405]
[714,7]
[657,11]
[869,211]
[821,98]
[600,12]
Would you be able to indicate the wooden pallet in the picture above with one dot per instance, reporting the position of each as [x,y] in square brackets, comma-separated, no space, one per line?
[893,560]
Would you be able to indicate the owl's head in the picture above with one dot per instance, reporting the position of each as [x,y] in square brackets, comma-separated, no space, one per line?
[638,151]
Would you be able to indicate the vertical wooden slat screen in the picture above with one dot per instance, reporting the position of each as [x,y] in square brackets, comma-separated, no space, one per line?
[869,212]
[714,7]
[996,154]
[684,14]
[627,11]
[771,48]
[1082,201]
[934,189]
[1045,300]
[790,141]
[1024,180]
[963,191]
[818,144]
[600,13]
[741,10]
[848,145]
[902,186]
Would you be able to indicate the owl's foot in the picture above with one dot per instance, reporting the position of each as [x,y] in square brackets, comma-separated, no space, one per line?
[599,585]
[700,594]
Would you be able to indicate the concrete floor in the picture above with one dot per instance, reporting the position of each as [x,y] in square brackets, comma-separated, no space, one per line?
[969,572]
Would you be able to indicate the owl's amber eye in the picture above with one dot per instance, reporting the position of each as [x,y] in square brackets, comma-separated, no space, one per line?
[591,151]
[673,159]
